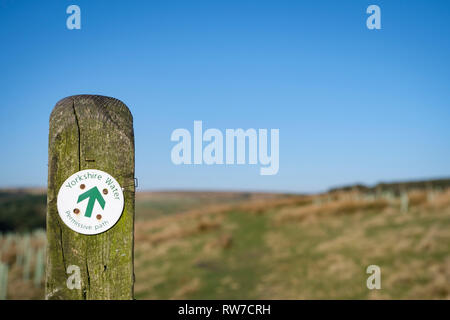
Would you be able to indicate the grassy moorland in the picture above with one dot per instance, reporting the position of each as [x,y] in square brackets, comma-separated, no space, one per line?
[206,245]
[299,247]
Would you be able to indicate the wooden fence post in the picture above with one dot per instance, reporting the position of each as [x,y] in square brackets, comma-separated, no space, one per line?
[90,132]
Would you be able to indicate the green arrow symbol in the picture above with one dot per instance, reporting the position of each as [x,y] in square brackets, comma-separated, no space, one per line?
[93,194]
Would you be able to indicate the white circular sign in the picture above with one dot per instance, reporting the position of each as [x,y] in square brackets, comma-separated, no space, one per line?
[90,201]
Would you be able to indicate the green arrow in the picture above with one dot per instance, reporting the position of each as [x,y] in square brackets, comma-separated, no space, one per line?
[93,194]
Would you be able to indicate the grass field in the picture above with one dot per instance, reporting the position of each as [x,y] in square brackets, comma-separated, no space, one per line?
[192,245]
[314,247]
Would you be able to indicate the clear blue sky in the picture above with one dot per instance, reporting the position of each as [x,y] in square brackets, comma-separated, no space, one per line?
[352,105]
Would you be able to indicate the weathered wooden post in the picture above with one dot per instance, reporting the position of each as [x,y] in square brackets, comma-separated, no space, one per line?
[90,200]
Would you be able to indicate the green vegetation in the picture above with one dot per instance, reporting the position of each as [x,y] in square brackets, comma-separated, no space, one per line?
[22,211]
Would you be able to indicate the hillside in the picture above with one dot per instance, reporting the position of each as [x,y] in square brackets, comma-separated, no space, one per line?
[315,247]
[213,245]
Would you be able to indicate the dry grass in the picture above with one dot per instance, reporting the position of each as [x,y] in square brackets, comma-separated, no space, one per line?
[335,208]
[269,246]
[12,253]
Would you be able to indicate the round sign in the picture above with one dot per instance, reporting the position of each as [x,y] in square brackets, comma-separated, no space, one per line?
[90,201]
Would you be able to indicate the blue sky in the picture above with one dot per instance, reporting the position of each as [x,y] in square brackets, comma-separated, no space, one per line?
[352,104]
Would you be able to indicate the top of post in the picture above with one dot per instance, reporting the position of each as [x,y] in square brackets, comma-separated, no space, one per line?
[86,106]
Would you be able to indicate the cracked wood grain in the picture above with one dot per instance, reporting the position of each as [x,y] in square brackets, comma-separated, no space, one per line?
[91,132]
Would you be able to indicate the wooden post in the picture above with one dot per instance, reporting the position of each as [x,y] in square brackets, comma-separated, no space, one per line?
[90,132]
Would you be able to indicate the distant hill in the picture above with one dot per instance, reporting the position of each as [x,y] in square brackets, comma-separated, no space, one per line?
[24,209]
[397,187]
